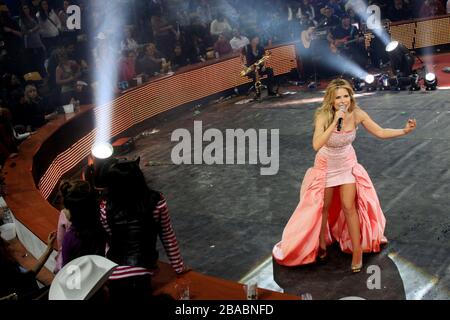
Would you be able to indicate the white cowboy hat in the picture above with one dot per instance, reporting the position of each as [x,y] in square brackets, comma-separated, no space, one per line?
[81,278]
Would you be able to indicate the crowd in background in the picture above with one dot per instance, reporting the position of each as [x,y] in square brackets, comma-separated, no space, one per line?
[157,36]
[45,65]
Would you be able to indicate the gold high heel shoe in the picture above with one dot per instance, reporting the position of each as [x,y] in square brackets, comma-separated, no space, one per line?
[357,267]
[322,254]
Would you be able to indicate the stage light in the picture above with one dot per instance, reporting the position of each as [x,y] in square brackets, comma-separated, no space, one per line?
[384,82]
[415,86]
[430,81]
[369,79]
[102,150]
[370,83]
[401,59]
[392,46]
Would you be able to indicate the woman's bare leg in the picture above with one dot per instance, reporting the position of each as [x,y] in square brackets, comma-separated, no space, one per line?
[326,206]
[348,204]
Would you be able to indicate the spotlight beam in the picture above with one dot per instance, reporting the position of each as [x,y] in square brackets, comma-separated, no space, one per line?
[107,36]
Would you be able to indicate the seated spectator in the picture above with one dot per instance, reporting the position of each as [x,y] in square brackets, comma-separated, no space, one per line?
[67,74]
[220,25]
[80,231]
[32,112]
[49,25]
[238,41]
[127,66]
[133,216]
[8,145]
[78,52]
[222,47]
[178,59]
[129,43]
[399,11]
[16,280]
[432,8]
[152,62]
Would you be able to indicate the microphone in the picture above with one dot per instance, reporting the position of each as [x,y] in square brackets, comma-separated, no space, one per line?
[339,125]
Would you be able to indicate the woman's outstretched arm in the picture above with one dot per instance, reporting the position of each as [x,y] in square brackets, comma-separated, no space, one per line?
[383,133]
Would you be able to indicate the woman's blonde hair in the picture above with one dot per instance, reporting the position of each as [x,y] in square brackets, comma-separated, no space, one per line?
[327,105]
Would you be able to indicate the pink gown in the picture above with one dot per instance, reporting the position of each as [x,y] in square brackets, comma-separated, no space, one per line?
[335,164]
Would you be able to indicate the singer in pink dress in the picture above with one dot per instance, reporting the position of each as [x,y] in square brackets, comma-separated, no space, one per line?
[338,201]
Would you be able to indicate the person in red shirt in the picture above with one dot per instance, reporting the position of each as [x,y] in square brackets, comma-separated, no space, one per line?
[127,66]
[222,47]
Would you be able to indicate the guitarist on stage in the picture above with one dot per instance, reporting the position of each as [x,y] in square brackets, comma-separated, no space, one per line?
[250,54]
[346,41]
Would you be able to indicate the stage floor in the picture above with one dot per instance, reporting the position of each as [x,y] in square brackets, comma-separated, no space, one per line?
[228,217]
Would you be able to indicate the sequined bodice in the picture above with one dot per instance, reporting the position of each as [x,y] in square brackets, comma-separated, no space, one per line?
[341,139]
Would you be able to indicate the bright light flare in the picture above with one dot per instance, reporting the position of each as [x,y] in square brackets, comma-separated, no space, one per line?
[392,46]
[102,150]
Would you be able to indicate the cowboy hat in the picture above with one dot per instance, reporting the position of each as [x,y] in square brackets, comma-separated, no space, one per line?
[81,278]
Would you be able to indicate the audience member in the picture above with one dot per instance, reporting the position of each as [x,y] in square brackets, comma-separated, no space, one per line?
[32,113]
[329,19]
[80,229]
[49,25]
[8,144]
[163,33]
[34,48]
[432,8]
[152,62]
[220,25]
[17,280]
[238,41]
[133,215]
[398,11]
[129,43]
[127,66]
[178,59]
[306,8]
[11,35]
[204,12]
[67,74]
[222,47]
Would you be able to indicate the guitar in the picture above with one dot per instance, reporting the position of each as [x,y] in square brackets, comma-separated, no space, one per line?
[308,35]
[343,43]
